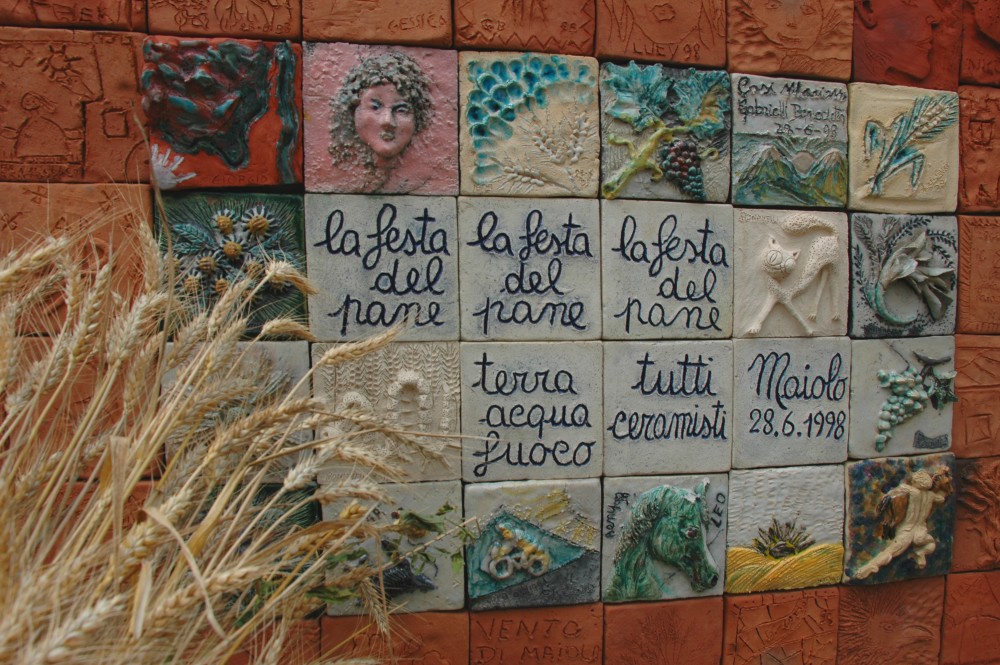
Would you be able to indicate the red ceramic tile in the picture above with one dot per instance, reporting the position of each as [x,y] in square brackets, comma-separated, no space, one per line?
[979,183]
[788,627]
[981,42]
[689,32]
[68,106]
[891,623]
[266,19]
[378,22]
[434,638]
[91,14]
[970,633]
[976,544]
[976,415]
[103,218]
[809,38]
[245,129]
[678,632]
[301,647]
[908,42]
[978,275]
[556,26]
[566,635]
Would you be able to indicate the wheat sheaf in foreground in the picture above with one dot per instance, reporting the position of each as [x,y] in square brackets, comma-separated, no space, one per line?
[99,565]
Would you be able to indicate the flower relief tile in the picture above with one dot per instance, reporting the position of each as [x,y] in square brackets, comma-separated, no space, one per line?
[536,543]
[685,33]
[785,528]
[380,260]
[411,386]
[219,239]
[664,133]
[531,410]
[900,517]
[799,37]
[664,537]
[666,270]
[791,274]
[421,559]
[789,142]
[529,268]
[903,149]
[223,112]
[381,119]
[529,125]
[904,275]
[912,381]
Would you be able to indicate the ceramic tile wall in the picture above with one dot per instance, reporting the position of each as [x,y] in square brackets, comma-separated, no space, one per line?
[685,276]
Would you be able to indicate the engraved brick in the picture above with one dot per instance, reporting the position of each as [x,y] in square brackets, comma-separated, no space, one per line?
[979,185]
[366,22]
[562,26]
[272,19]
[790,626]
[680,33]
[976,415]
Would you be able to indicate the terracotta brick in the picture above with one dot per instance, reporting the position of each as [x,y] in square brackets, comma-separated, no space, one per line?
[366,22]
[302,645]
[266,19]
[91,14]
[970,632]
[256,141]
[979,183]
[556,26]
[689,33]
[891,623]
[978,275]
[788,627]
[908,42]
[70,106]
[980,42]
[976,415]
[977,515]
[678,632]
[102,218]
[439,638]
[809,38]
[564,635]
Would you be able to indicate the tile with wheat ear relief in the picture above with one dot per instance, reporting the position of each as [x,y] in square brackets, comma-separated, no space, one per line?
[790,627]
[71,106]
[900,518]
[976,415]
[663,537]
[531,410]
[970,633]
[791,274]
[564,26]
[980,43]
[216,240]
[901,396]
[789,142]
[666,270]
[785,528]
[274,19]
[380,119]
[676,632]
[363,22]
[420,557]
[668,407]
[979,186]
[904,275]
[408,386]
[536,543]
[977,514]
[529,125]
[380,260]
[530,269]
[680,33]
[223,112]
[664,133]
[791,400]
[903,149]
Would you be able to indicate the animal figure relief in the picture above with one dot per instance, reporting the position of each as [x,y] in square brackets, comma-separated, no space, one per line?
[905,510]
[778,263]
[666,524]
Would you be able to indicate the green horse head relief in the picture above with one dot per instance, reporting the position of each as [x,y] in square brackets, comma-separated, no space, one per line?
[667,525]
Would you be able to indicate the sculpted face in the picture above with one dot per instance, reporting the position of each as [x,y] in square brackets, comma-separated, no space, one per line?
[905,33]
[384,121]
[668,20]
[793,24]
